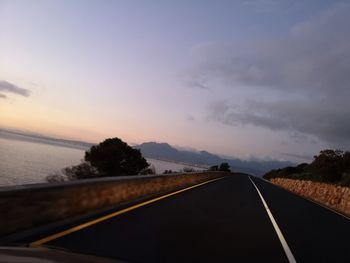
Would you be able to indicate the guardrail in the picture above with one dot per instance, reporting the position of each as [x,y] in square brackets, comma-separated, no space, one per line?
[28,206]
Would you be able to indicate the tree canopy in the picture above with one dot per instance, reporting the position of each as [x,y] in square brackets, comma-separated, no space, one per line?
[113,157]
[223,167]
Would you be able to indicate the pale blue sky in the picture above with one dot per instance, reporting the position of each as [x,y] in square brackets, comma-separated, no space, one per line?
[214,75]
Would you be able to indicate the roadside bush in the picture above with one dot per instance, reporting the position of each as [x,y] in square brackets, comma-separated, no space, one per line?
[345,180]
[188,170]
[56,178]
[83,170]
[224,167]
[149,170]
[330,166]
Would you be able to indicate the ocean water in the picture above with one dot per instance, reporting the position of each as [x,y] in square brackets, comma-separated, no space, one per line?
[27,160]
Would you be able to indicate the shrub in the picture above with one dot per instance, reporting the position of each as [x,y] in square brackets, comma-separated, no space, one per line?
[330,166]
[224,167]
[56,178]
[81,171]
[149,170]
[188,170]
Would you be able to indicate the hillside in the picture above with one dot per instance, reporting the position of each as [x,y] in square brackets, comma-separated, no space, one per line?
[164,151]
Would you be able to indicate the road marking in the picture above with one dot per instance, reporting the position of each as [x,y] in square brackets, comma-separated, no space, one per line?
[106,217]
[283,241]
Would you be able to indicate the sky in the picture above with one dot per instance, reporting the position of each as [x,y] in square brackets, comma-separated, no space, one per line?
[261,79]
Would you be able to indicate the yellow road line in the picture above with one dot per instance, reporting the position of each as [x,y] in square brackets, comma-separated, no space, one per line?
[106,217]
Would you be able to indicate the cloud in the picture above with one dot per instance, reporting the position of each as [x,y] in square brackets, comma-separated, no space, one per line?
[2,96]
[299,156]
[12,88]
[190,118]
[197,84]
[303,78]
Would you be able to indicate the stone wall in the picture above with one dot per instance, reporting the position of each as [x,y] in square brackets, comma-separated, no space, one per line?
[333,196]
[28,206]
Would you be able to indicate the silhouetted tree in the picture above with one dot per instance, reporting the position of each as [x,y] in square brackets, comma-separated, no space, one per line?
[329,164]
[214,168]
[224,167]
[113,157]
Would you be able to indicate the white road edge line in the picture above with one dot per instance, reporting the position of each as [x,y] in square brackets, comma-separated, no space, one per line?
[283,241]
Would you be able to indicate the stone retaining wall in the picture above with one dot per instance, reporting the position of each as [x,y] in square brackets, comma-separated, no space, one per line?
[333,196]
[28,206]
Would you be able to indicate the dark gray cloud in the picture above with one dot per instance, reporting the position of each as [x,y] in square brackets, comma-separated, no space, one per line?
[2,96]
[323,118]
[304,78]
[6,86]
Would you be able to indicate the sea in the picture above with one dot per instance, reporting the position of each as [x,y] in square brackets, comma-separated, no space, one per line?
[29,160]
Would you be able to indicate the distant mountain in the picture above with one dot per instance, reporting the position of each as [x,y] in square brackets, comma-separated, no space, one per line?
[164,151]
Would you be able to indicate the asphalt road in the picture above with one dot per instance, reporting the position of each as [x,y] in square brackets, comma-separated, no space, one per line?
[222,221]
[314,233]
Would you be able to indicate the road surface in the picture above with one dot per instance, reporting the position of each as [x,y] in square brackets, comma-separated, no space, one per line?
[233,219]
